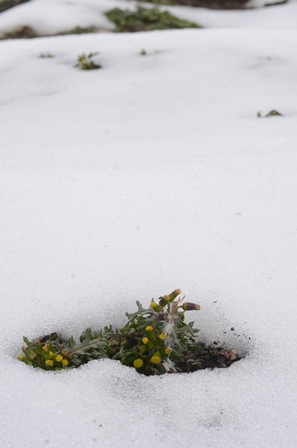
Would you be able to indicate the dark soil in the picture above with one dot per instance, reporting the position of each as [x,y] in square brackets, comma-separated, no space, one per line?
[214,4]
[24,33]
[10,4]
[206,357]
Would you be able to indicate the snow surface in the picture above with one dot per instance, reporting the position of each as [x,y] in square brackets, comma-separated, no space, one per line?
[127,182]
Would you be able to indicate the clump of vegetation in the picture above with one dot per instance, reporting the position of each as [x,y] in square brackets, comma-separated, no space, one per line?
[86,62]
[145,19]
[155,340]
[80,30]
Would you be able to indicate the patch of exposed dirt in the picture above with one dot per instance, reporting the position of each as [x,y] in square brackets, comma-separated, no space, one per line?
[10,4]
[206,357]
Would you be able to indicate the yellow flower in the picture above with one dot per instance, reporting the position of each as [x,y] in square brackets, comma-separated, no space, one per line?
[65,362]
[167,351]
[51,354]
[59,358]
[162,336]
[64,352]
[155,359]
[45,347]
[20,357]
[49,363]
[138,363]
[145,340]
[149,328]
[153,305]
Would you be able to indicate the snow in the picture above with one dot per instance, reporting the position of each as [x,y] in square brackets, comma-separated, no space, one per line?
[124,183]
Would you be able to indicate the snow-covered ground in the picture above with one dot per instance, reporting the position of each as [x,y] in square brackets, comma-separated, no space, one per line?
[124,183]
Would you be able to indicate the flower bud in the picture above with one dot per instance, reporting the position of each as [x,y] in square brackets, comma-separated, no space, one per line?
[174,294]
[155,306]
[164,300]
[188,306]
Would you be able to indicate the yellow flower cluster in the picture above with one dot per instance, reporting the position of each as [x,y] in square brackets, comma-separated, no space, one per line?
[54,357]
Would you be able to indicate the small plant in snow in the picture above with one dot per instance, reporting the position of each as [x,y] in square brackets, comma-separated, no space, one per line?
[156,336]
[46,55]
[86,62]
[272,113]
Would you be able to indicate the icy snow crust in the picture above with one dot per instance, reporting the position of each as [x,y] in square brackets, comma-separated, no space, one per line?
[125,183]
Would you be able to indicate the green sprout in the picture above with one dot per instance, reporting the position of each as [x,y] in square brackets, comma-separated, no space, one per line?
[86,62]
[272,113]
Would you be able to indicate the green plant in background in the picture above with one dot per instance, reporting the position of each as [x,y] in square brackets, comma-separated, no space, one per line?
[86,62]
[46,55]
[81,30]
[152,341]
[145,19]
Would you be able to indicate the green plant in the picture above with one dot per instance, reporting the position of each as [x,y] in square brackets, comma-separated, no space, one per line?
[145,19]
[86,62]
[155,337]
